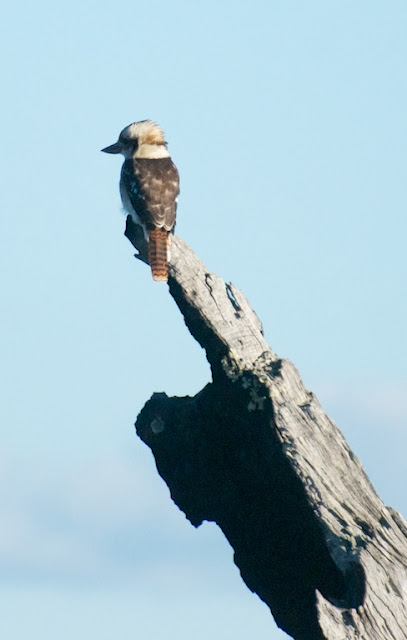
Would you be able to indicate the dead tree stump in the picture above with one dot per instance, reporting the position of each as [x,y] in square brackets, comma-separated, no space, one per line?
[255,453]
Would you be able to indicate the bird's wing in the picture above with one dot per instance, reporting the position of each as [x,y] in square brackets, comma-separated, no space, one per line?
[152,186]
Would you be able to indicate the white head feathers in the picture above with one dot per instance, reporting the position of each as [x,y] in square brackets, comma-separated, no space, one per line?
[146,132]
[144,139]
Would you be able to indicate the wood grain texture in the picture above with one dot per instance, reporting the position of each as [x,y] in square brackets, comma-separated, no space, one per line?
[255,453]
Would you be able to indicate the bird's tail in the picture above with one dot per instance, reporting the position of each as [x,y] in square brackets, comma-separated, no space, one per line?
[158,253]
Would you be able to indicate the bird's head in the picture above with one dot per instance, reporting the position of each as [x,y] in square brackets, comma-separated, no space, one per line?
[144,139]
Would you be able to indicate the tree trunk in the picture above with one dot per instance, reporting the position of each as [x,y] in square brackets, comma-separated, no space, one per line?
[255,453]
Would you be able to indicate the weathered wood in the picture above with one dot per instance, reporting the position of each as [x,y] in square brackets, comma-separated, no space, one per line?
[255,453]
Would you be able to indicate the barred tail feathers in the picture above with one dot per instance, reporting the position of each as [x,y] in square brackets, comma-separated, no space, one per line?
[158,253]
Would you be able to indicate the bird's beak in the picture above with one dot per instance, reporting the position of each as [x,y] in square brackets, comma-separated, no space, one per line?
[114,148]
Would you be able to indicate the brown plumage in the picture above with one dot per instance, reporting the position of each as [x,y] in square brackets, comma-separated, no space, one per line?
[158,253]
[149,187]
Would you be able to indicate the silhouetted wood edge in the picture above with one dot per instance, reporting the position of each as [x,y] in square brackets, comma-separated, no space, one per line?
[255,453]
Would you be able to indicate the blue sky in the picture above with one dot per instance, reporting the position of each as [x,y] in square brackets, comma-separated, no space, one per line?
[287,123]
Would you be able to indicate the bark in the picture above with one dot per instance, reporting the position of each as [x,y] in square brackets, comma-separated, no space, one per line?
[255,453]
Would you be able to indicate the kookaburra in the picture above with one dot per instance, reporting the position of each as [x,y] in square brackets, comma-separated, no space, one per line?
[149,186]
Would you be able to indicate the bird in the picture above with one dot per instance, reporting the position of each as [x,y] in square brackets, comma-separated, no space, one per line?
[149,188]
